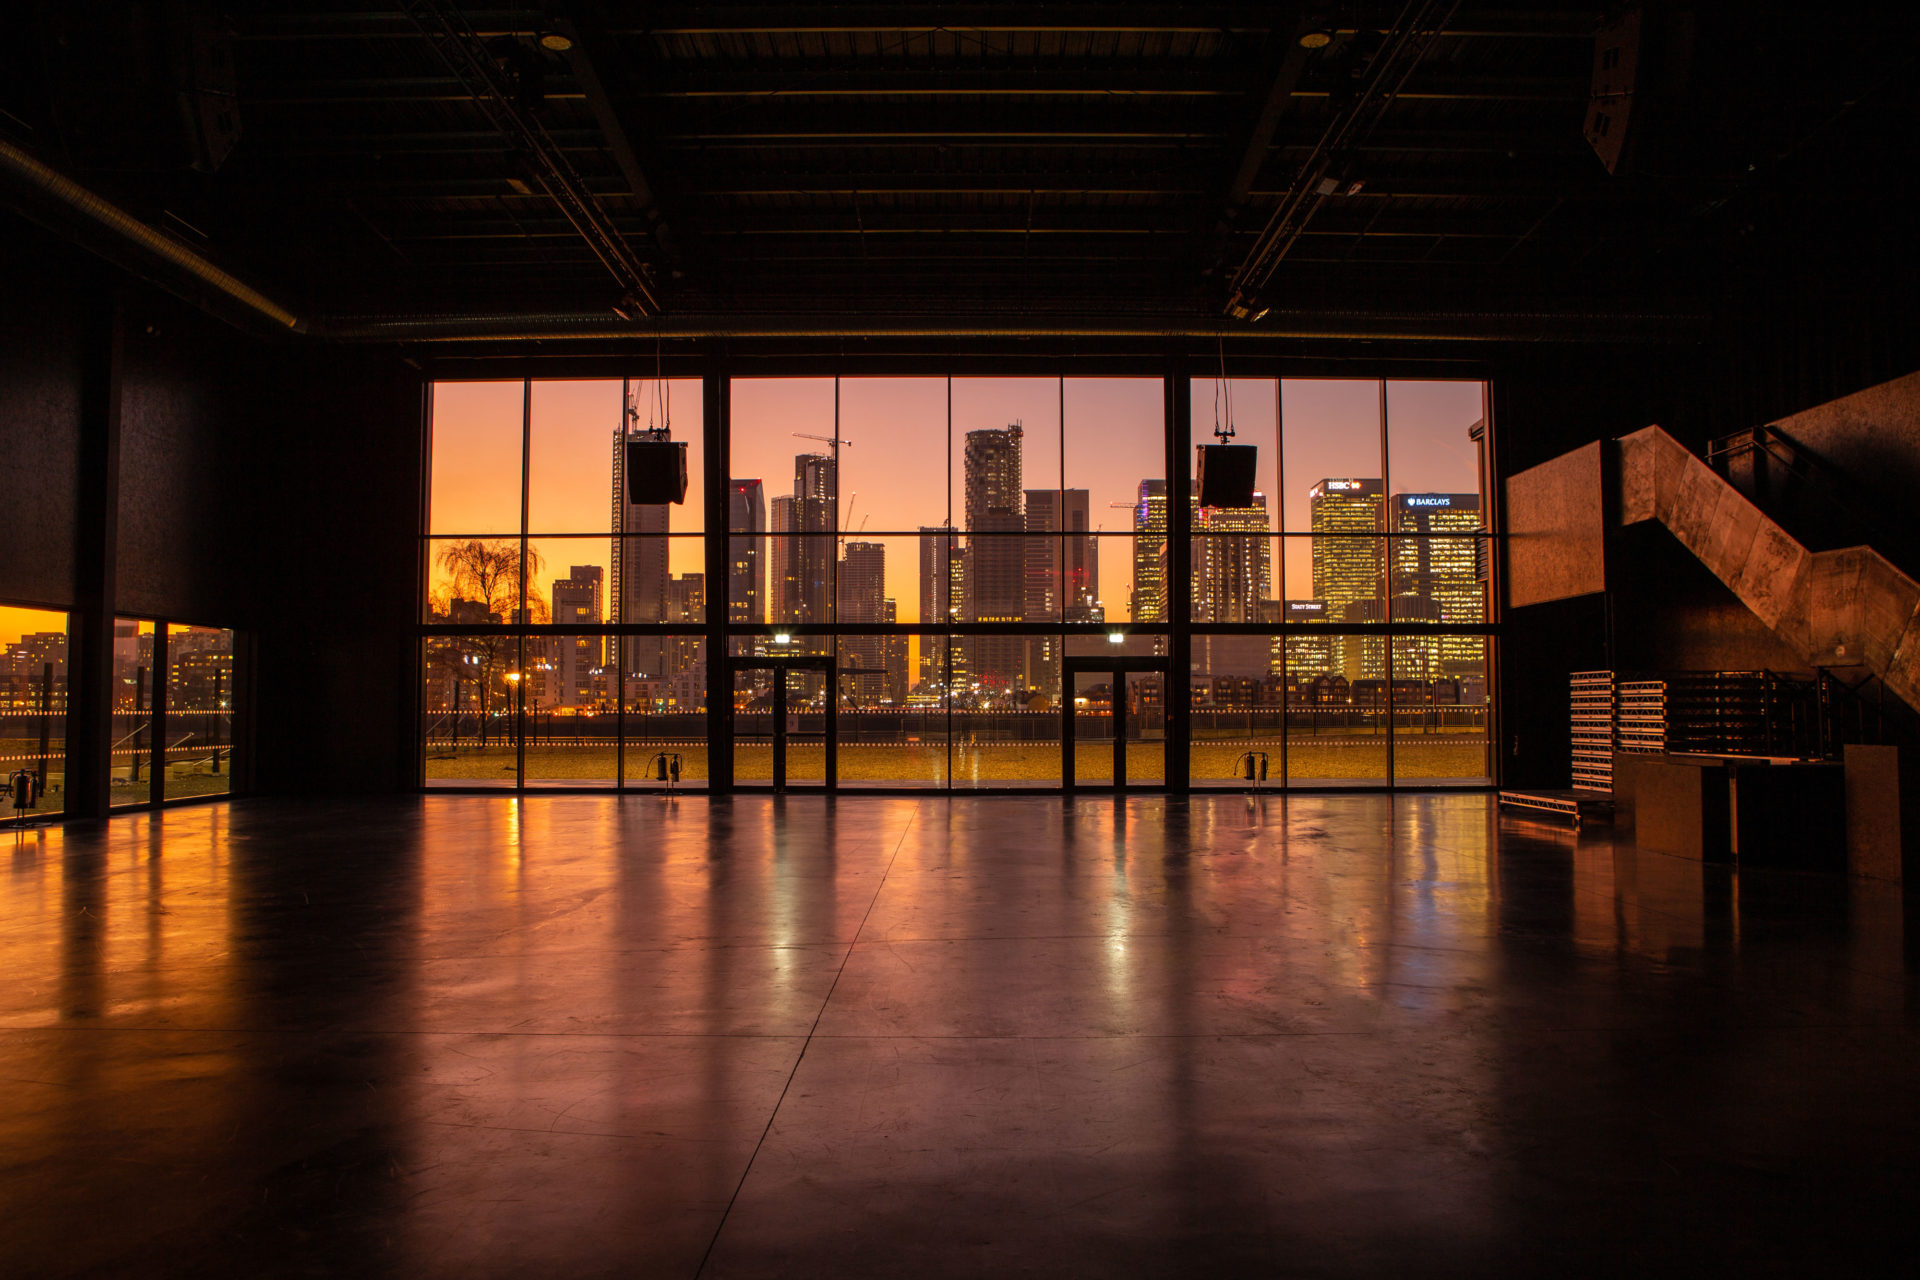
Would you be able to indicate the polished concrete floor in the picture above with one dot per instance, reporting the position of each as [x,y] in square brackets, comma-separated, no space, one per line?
[891,1036]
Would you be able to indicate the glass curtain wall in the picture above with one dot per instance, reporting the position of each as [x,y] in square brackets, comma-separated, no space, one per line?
[565,595]
[1340,622]
[33,708]
[927,578]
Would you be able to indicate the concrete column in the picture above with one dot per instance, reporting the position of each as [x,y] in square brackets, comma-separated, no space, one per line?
[95,566]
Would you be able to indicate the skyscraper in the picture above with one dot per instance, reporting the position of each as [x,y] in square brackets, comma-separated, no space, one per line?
[780,606]
[862,600]
[1149,558]
[747,519]
[574,659]
[996,587]
[1232,562]
[1436,578]
[809,554]
[1062,575]
[1348,565]
[938,550]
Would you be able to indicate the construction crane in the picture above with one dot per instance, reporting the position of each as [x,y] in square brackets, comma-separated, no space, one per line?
[802,435]
[1119,506]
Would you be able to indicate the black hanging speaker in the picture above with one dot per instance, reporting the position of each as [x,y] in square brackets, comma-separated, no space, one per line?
[1226,474]
[656,471]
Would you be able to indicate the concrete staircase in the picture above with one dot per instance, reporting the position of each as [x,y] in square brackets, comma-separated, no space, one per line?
[1844,608]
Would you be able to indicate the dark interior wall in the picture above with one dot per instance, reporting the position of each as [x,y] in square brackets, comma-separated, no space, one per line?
[188,524]
[266,483]
[45,293]
[337,469]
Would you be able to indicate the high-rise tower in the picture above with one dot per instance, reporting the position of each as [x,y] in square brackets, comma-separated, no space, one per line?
[996,587]
[1062,574]
[1436,578]
[862,601]
[1348,564]
[747,522]
[938,548]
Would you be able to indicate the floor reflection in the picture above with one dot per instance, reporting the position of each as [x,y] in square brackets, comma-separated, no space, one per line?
[1347,1034]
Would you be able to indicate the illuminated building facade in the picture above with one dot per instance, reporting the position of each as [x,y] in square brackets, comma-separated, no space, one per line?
[996,569]
[1348,565]
[1433,577]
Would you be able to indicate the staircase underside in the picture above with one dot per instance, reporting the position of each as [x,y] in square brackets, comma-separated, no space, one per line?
[1844,608]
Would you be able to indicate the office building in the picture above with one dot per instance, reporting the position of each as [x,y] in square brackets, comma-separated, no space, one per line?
[996,561]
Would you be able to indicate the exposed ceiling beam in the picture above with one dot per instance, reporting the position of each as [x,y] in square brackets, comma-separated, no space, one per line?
[467,57]
[1287,60]
[587,58]
[1392,66]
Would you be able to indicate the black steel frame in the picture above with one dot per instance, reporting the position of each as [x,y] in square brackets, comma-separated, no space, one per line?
[781,665]
[1117,666]
[716,371]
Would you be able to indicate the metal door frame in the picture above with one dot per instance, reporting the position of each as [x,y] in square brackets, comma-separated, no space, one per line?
[782,664]
[1114,666]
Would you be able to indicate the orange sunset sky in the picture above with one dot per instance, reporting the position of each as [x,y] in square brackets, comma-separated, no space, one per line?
[904,468]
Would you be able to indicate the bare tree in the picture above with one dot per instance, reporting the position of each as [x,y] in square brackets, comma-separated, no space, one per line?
[484,580]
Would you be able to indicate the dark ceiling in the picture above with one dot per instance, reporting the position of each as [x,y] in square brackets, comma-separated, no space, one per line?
[977,164]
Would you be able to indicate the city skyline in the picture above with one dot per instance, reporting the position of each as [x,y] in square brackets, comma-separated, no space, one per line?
[1112,429]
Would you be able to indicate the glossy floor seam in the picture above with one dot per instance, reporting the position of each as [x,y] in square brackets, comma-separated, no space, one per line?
[773,1116]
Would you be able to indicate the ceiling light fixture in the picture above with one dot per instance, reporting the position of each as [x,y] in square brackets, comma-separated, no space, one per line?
[554,42]
[1319,39]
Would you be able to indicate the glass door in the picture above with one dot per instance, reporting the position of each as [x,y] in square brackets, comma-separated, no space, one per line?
[1114,726]
[783,723]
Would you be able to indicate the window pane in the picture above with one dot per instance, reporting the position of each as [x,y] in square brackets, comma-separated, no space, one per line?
[476,458]
[1434,578]
[1000,739]
[782,434]
[133,689]
[574,430]
[571,727]
[1440,711]
[199,711]
[1344,576]
[670,720]
[1237,709]
[1115,433]
[1146,728]
[891,469]
[1331,484]
[801,581]
[672,406]
[33,702]
[1430,444]
[1005,464]
[650,579]
[473,581]
[466,710]
[883,739]
[1233,574]
[1093,726]
[1336,726]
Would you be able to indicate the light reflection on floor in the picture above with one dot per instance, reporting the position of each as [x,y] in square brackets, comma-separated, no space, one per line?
[1344,1035]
